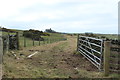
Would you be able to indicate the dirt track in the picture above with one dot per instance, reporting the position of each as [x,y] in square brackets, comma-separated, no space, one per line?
[56,60]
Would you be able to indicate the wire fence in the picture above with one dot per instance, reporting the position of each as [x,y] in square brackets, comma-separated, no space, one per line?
[27,42]
[17,41]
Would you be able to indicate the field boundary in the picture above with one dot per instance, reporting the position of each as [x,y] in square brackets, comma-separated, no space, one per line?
[18,41]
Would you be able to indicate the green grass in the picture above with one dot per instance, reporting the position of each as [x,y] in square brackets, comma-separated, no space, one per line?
[47,39]
[109,36]
[115,75]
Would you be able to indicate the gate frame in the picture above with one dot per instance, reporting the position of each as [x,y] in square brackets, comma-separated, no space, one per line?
[85,52]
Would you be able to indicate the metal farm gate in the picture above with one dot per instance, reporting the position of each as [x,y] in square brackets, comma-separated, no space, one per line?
[92,49]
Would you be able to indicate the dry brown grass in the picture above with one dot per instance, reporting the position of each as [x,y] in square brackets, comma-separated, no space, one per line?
[56,60]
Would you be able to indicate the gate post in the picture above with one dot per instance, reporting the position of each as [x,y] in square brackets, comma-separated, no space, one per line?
[106,57]
[24,39]
[77,41]
[8,42]
[17,33]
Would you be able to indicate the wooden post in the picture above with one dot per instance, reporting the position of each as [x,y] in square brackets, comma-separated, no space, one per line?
[47,40]
[44,41]
[33,42]
[3,47]
[39,41]
[33,39]
[51,40]
[106,57]
[17,40]
[55,39]
[8,42]
[24,41]
[77,41]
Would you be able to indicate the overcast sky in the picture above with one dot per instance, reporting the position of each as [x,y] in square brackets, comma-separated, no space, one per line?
[73,16]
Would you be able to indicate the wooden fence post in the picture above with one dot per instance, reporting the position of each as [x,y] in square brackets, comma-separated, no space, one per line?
[53,40]
[3,47]
[8,42]
[24,41]
[47,40]
[39,41]
[33,42]
[33,39]
[107,45]
[77,41]
[17,33]
[44,41]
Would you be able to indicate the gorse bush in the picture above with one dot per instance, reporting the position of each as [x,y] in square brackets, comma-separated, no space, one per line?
[35,34]
[7,30]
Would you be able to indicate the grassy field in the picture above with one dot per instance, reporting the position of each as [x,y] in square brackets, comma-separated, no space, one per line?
[58,59]
[55,60]
[54,37]
[109,36]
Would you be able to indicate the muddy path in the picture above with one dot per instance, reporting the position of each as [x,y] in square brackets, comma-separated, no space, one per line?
[56,60]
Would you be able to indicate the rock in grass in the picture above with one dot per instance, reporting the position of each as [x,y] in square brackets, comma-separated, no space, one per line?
[21,54]
[12,52]
[31,50]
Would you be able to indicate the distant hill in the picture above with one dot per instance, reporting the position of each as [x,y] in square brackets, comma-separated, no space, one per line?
[9,30]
